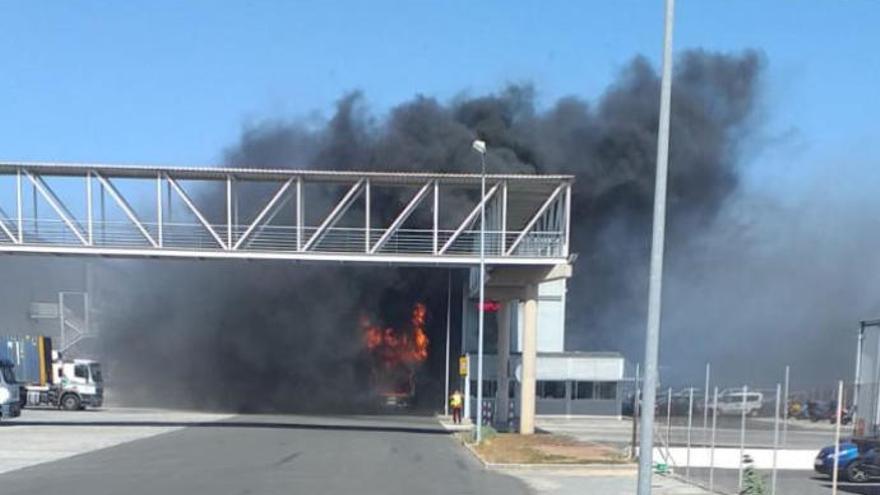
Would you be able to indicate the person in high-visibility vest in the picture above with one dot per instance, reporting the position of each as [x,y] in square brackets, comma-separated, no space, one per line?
[455,402]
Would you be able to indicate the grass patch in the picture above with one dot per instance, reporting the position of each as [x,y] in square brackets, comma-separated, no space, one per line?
[504,448]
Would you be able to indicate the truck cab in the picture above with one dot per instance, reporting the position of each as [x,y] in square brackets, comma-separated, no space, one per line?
[10,397]
[75,384]
[81,384]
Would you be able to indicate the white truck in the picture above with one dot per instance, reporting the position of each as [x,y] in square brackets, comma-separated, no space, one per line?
[10,405]
[74,384]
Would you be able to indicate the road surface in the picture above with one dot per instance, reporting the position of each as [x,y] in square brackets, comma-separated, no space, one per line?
[788,482]
[267,455]
[759,432]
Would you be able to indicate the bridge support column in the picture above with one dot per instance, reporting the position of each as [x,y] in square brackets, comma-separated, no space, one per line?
[502,410]
[529,360]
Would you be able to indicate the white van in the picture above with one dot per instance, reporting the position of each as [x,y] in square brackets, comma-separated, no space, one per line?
[730,402]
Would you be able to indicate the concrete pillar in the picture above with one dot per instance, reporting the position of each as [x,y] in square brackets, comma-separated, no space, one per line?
[529,360]
[502,401]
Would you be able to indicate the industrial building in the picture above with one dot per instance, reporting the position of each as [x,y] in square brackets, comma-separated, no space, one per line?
[567,383]
[42,286]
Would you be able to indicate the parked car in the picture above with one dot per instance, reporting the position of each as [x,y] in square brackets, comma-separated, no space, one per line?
[858,462]
[824,463]
[731,402]
[865,467]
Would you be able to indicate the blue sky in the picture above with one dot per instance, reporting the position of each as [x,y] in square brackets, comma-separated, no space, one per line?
[174,82]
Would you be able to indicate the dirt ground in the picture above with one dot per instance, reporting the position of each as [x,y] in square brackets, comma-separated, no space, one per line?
[545,449]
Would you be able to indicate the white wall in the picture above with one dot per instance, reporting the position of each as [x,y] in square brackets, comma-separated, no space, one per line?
[584,368]
[551,318]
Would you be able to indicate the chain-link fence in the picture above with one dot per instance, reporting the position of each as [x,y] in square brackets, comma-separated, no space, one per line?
[731,437]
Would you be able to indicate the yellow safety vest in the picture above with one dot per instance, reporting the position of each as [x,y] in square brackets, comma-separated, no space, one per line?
[455,400]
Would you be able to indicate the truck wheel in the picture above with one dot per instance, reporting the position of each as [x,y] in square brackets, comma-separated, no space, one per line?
[70,402]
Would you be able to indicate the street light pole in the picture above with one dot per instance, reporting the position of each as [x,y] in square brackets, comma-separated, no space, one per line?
[480,147]
[448,326]
[655,283]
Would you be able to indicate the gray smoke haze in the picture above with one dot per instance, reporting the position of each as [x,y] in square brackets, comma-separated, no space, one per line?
[219,331]
[774,282]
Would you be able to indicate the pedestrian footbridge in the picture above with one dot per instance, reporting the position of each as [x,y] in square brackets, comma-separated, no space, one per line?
[304,215]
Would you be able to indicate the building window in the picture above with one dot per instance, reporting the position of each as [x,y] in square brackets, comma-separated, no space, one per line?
[606,390]
[582,390]
[489,388]
[550,389]
[594,390]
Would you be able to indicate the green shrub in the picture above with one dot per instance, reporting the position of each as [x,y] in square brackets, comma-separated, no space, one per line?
[753,482]
[488,433]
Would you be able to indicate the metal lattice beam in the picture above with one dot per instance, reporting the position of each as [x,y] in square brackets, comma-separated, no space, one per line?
[530,226]
[126,208]
[470,219]
[337,213]
[260,216]
[56,205]
[5,228]
[398,222]
[195,211]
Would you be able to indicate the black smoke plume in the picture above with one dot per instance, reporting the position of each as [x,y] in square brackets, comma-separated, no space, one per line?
[273,336]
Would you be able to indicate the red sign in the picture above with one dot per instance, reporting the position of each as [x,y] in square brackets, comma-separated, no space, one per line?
[490,306]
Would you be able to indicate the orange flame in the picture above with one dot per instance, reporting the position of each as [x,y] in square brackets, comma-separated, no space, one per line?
[394,348]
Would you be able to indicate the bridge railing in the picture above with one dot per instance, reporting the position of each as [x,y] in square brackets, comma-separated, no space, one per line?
[190,236]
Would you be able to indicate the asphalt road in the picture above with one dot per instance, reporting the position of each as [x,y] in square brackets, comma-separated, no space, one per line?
[759,432]
[274,454]
[788,483]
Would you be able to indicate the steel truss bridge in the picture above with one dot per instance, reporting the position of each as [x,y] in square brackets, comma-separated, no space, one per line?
[148,211]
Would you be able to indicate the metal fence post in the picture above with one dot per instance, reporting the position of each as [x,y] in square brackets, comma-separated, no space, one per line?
[775,438]
[785,410]
[706,405]
[687,466]
[636,400]
[669,418]
[712,448]
[837,437]
[742,437]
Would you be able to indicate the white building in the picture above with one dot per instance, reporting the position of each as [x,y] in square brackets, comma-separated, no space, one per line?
[568,383]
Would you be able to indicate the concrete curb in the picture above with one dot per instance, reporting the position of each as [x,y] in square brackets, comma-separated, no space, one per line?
[453,428]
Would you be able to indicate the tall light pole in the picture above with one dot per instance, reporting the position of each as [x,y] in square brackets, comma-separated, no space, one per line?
[655,283]
[448,326]
[480,147]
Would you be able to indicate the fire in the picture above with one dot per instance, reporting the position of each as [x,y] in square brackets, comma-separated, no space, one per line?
[393,347]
